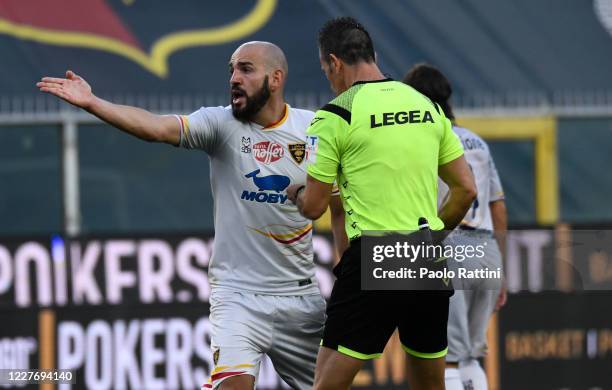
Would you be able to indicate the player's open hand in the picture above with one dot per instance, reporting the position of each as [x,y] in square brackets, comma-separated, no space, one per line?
[73,89]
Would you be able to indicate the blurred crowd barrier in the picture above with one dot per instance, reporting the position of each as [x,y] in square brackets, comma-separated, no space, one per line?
[70,173]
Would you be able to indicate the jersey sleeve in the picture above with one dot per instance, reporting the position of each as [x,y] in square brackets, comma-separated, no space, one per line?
[323,145]
[450,146]
[200,130]
[335,189]
[496,190]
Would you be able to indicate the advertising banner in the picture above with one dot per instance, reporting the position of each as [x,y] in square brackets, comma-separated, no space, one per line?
[132,312]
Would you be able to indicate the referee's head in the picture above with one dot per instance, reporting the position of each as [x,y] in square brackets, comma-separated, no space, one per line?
[343,42]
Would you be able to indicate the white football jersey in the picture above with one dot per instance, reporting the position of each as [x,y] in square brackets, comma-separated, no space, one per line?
[262,242]
[488,184]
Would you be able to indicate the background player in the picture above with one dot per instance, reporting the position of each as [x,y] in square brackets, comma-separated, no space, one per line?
[472,305]
[264,295]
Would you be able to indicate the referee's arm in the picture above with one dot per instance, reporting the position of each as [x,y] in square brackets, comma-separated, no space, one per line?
[341,241]
[462,191]
[313,199]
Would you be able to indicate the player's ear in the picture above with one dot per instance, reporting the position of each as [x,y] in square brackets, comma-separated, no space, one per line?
[276,80]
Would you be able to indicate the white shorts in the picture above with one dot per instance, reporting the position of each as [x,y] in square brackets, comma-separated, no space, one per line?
[473,303]
[246,326]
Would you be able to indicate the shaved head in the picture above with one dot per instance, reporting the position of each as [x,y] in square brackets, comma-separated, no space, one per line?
[272,56]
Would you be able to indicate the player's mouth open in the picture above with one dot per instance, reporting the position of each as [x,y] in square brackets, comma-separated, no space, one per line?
[238,96]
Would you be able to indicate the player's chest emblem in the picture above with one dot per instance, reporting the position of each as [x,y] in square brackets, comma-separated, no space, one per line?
[297,152]
[268,152]
[245,145]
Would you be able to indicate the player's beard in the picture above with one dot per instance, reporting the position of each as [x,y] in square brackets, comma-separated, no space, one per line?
[253,104]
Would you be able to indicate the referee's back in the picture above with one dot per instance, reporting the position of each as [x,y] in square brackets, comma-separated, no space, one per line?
[383,141]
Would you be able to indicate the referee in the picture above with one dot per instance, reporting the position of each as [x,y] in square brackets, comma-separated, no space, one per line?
[385,144]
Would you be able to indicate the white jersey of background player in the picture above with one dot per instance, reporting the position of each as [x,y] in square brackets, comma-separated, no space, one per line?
[470,308]
[264,296]
[487,180]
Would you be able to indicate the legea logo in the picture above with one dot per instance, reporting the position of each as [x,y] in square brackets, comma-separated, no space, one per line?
[267,152]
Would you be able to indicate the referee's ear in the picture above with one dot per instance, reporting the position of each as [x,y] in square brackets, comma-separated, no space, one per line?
[335,63]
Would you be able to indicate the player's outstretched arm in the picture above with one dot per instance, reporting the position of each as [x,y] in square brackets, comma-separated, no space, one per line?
[462,191]
[138,122]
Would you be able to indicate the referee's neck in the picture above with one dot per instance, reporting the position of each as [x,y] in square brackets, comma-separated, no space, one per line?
[362,71]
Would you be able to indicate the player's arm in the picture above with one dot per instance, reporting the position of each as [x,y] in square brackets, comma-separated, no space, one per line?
[341,241]
[461,191]
[499,216]
[497,206]
[138,122]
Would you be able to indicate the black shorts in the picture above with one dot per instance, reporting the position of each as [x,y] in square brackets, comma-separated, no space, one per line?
[359,323]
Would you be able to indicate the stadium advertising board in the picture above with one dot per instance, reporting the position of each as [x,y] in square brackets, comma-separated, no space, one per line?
[132,312]
[567,345]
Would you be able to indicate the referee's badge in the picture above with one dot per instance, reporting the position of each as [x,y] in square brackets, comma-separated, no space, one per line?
[297,152]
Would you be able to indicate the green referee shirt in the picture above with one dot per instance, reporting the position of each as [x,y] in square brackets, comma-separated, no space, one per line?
[383,141]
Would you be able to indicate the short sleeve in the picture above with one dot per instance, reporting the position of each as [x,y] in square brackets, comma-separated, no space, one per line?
[496,190]
[450,146]
[200,130]
[323,145]
[335,189]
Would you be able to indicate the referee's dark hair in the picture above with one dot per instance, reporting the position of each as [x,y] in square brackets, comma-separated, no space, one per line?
[347,39]
[432,83]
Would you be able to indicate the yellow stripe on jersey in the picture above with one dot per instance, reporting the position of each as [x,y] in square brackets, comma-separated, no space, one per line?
[219,369]
[281,121]
[184,125]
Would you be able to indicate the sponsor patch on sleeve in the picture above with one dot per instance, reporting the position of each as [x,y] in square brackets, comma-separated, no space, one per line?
[312,145]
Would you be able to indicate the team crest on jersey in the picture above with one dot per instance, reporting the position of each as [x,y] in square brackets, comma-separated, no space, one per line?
[216,356]
[297,152]
[268,152]
[245,146]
